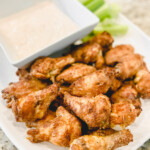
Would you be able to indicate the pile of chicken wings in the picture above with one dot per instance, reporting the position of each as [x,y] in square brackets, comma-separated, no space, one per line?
[83,100]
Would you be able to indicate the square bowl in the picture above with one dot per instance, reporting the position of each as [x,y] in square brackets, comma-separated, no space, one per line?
[81,16]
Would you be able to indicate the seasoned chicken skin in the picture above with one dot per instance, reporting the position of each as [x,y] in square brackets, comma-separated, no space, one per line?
[128,66]
[110,142]
[47,118]
[116,53]
[104,132]
[94,111]
[47,67]
[127,93]
[142,80]
[74,72]
[93,84]
[35,105]
[104,39]
[22,88]
[61,131]
[88,53]
[122,115]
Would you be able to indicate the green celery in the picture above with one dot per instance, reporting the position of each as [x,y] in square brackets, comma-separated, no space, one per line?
[87,38]
[103,12]
[95,4]
[115,29]
[115,9]
[107,11]
[85,2]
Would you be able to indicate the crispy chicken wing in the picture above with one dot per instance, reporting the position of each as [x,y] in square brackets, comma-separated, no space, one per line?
[22,88]
[47,118]
[47,67]
[104,132]
[116,53]
[127,93]
[100,60]
[142,81]
[122,115]
[86,53]
[60,131]
[22,73]
[94,111]
[110,142]
[93,84]
[35,105]
[74,72]
[128,66]
[104,39]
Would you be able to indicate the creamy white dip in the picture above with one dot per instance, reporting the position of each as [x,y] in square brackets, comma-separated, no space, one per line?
[35,28]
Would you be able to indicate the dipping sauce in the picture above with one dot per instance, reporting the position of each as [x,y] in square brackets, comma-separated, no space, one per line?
[35,28]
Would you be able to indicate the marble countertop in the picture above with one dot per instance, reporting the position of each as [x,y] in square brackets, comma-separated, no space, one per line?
[138,11]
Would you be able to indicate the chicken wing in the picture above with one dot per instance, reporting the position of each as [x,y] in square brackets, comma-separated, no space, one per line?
[22,73]
[116,53]
[110,142]
[128,66]
[104,39]
[122,115]
[104,132]
[142,80]
[74,72]
[47,67]
[127,93]
[87,53]
[35,105]
[22,88]
[47,118]
[60,131]
[93,84]
[94,111]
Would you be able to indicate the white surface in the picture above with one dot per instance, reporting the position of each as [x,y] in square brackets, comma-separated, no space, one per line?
[72,8]
[17,131]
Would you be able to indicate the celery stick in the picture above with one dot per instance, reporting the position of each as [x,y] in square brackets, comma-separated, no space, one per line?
[108,22]
[85,2]
[114,29]
[107,11]
[103,12]
[115,9]
[95,4]
[87,38]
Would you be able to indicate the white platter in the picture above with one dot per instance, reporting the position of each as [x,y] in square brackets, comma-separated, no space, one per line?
[16,132]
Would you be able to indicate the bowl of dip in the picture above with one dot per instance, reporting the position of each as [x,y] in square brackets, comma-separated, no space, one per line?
[33,28]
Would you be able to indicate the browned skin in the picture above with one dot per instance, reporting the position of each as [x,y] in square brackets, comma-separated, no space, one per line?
[115,84]
[116,53]
[93,84]
[110,142]
[142,81]
[74,72]
[100,60]
[127,93]
[22,73]
[47,118]
[122,115]
[22,88]
[104,132]
[94,111]
[104,39]
[128,66]
[92,51]
[47,67]
[60,131]
[88,52]
[35,105]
